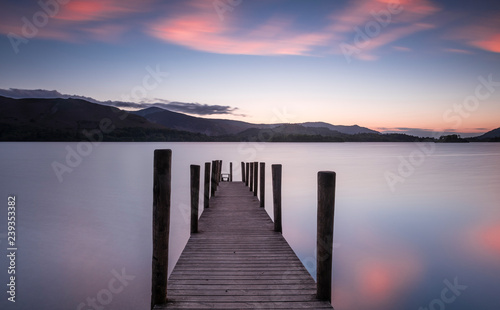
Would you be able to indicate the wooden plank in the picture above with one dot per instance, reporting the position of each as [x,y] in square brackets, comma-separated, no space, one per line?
[238,261]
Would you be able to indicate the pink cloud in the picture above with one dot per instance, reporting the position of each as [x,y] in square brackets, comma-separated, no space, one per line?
[198,28]
[78,20]
[402,48]
[457,51]
[91,10]
[483,34]
[201,30]
[382,22]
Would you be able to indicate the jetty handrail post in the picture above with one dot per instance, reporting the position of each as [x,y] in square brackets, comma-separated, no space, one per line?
[251,177]
[262,184]
[326,212]
[247,168]
[195,196]
[276,176]
[206,187]
[242,172]
[162,177]
[230,172]
[213,182]
[255,177]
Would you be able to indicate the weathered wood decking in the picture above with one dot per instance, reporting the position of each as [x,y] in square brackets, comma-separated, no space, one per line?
[237,261]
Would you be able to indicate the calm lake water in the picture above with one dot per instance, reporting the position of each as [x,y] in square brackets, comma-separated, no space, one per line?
[416,225]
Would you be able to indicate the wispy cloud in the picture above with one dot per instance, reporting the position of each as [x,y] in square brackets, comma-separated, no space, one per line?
[17,93]
[483,33]
[390,20]
[76,21]
[199,29]
[195,24]
[93,10]
[182,107]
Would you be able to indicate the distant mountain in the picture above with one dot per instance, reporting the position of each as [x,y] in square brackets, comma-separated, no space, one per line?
[300,133]
[65,113]
[207,126]
[42,119]
[223,127]
[70,119]
[350,130]
[493,135]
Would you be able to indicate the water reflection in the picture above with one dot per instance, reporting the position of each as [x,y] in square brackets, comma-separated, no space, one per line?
[393,250]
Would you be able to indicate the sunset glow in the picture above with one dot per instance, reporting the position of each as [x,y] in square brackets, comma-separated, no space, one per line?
[390,65]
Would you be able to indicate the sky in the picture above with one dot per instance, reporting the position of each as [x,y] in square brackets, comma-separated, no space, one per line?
[421,67]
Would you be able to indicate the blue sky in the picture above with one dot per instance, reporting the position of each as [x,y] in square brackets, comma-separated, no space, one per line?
[409,66]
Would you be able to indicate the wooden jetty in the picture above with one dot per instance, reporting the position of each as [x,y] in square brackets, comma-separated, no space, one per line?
[236,257]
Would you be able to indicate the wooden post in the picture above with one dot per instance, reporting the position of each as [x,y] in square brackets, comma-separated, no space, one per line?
[262,184]
[326,211]
[231,172]
[255,177]
[206,191]
[195,197]
[162,174]
[276,175]
[219,171]
[242,172]
[214,176]
[251,177]
[247,173]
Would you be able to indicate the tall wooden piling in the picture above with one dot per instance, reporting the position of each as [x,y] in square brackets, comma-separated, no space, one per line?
[326,211]
[255,177]
[162,174]
[242,172]
[251,177]
[214,177]
[262,184]
[206,187]
[219,166]
[195,197]
[247,176]
[276,176]
[230,172]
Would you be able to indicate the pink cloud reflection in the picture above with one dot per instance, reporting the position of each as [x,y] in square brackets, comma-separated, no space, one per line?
[376,273]
[483,241]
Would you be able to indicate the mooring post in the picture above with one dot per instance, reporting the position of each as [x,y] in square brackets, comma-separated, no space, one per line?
[255,177]
[242,172]
[219,172]
[326,212]
[195,197]
[214,176]
[262,184]
[251,177]
[162,174]
[230,172]
[276,175]
[247,174]
[206,187]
